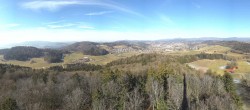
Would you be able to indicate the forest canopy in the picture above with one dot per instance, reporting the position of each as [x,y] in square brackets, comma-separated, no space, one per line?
[142,85]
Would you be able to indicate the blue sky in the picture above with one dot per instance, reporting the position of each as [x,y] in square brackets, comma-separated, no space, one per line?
[108,20]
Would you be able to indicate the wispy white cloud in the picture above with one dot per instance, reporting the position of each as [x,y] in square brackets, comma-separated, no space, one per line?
[54,5]
[99,13]
[53,26]
[51,5]
[12,25]
[62,25]
[44,34]
[86,27]
[55,22]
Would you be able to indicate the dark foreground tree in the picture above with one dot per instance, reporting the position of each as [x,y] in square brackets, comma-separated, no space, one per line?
[9,104]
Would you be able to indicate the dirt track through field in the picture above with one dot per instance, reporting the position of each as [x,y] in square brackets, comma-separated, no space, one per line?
[199,68]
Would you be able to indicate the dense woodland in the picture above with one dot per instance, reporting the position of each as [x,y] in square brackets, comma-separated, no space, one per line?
[237,47]
[132,44]
[77,67]
[88,48]
[53,56]
[147,81]
[3,51]
[147,58]
[22,53]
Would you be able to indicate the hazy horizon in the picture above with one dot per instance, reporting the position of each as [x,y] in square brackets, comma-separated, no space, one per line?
[2,46]
[112,20]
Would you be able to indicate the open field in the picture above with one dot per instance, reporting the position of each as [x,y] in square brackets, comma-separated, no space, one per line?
[104,59]
[69,58]
[183,52]
[221,50]
[214,49]
[244,67]
[39,63]
[218,66]
[214,65]
[208,49]
[101,60]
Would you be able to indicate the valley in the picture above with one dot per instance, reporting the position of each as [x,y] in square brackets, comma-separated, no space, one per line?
[124,49]
[212,72]
[124,55]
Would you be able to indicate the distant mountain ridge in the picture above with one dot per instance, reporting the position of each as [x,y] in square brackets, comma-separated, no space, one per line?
[39,44]
[241,39]
[45,44]
[237,46]
[135,43]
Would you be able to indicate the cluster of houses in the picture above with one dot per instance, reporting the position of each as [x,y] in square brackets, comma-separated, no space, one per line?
[154,47]
[123,50]
[82,60]
[2,60]
[231,69]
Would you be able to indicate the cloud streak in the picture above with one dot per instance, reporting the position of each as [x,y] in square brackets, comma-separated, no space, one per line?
[47,4]
[55,22]
[86,27]
[62,25]
[98,13]
[12,25]
[55,5]
[9,26]
[57,35]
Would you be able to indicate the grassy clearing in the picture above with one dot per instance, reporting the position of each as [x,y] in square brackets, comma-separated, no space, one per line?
[244,67]
[38,63]
[214,65]
[235,55]
[69,58]
[104,59]
[208,49]
[101,60]
[214,49]
[217,66]
[178,53]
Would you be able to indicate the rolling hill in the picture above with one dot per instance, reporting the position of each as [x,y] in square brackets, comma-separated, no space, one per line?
[88,48]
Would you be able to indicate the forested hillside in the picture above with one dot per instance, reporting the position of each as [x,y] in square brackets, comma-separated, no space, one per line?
[147,81]
[237,47]
[3,51]
[53,56]
[144,59]
[22,53]
[88,48]
[132,44]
